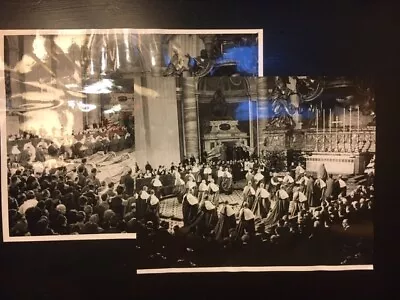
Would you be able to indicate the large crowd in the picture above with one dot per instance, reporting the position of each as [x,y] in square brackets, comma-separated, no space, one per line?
[290,218]
[55,200]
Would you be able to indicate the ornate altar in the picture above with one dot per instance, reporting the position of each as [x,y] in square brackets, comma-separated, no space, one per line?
[224,131]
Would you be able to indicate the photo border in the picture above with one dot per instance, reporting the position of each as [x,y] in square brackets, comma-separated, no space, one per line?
[3,125]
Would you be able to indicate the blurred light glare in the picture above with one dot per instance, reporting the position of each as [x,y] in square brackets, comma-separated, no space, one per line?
[39,48]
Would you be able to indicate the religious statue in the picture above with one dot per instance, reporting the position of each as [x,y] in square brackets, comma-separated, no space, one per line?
[219,107]
[176,67]
[282,109]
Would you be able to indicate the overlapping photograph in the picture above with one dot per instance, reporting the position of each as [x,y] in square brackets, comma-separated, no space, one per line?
[262,174]
[74,106]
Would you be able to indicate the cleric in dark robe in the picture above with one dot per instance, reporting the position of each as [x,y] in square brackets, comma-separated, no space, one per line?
[322,172]
[309,189]
[153,209]
[141,203]
[227,181]
[226,222]
[281,208]
[249,194]
[190,208]
[342,186]
[319,192]
[208,218]
[213,193]
[246,221]
[179,186]
[298,201]
[329,187]
[262,202]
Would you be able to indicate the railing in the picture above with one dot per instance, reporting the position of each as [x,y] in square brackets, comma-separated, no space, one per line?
[335,141]
[346,142]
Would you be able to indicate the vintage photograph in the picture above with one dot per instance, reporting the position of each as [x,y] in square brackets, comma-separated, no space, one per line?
[75,109]
[256,172]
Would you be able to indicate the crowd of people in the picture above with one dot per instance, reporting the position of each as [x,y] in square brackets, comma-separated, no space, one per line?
[49,199]
[290,218]
[28,147]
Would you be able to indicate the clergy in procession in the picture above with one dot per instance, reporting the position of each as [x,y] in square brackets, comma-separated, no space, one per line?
[157,186]
[288,183]
[141,203]
[249,176]
[274,183]
[179,186]
[262,202]
[153,209]
[196,173]
[213,193]
[319,192]
[280,208]
[299,171]
[190,208]
[329,188]
[246,221]
[227,182]
[208,218]
[203,190]
[14,157]
[342,186]
[309,189]
[322,172]
[249,194]
[226,222]
[191,185]
[298,202]
[207,173]
[220,175]
[258,177]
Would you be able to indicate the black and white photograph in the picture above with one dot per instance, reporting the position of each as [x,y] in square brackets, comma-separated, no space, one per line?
[74,106]
[257,173]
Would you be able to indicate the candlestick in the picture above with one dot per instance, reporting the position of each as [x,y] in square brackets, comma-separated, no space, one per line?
[323,120]
[317,118]
[344,119]
[358,119]
[330,120]
[350,120]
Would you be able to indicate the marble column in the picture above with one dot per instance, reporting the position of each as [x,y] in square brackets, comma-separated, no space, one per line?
[262,108]
[190,116]
[179,100]
[156,57]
